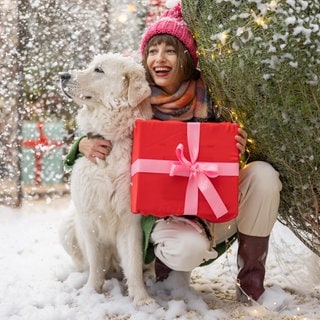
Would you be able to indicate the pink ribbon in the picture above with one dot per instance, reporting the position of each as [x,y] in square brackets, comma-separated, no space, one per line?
[198,173]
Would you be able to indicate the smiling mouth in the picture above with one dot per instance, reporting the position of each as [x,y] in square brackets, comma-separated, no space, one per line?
[161,70]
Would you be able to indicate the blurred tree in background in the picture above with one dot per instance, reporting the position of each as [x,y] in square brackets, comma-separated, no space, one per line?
[38,40]
[261,60]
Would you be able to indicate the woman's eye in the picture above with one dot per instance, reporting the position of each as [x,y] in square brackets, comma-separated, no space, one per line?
[99,70]
[152,51]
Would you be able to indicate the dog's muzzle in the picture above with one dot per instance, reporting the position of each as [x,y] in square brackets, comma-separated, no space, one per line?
[64,78]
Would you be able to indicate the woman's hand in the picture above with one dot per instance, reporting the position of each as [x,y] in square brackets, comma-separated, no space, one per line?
[95,148]
[241,139]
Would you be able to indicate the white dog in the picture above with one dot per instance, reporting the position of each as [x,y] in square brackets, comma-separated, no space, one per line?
[103,236]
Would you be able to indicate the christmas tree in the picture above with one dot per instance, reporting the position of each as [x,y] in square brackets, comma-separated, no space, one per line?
[261,60]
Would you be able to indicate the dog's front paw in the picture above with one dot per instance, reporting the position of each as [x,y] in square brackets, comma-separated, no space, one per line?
[95,284]
[143,302]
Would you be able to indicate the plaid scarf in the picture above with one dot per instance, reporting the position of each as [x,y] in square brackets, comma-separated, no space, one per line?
[191,102]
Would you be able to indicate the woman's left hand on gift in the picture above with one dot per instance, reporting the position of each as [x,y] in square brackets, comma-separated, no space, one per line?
[241,139]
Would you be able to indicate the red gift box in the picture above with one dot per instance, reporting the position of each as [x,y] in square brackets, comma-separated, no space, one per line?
[42,145]
[183,168]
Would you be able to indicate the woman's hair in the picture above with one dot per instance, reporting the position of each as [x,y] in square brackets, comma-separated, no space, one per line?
[184,60]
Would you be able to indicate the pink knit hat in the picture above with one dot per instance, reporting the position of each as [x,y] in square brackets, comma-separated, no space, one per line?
[171,22]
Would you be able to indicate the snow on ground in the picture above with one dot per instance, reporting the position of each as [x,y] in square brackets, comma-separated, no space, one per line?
[39,282]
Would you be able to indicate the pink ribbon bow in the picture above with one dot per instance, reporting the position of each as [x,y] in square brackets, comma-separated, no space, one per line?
[198,173]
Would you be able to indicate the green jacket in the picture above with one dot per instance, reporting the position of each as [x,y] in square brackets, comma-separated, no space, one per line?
[73,155]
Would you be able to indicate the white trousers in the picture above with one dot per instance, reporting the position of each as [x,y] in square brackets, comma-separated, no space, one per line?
[182,245]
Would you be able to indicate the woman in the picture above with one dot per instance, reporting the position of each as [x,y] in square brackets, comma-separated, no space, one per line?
[179,93]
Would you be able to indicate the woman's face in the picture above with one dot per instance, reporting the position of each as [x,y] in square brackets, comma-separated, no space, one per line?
[163,67]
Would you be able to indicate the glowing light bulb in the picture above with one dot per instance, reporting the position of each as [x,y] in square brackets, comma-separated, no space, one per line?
[132,7]
[260,21]
[122,17]
[223,37]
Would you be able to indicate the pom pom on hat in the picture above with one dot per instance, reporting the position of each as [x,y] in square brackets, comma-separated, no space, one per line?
[171,22]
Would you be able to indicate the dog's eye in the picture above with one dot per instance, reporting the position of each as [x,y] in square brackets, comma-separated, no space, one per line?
[99,70]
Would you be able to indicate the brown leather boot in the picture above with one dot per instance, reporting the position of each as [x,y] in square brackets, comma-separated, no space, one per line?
[162,271]
[251,259]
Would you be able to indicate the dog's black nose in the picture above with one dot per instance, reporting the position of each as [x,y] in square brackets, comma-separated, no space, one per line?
[65,76]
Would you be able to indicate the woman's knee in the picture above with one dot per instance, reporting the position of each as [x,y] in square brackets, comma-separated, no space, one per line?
[261,176]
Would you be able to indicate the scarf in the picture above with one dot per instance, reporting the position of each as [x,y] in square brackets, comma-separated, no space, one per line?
[191,102]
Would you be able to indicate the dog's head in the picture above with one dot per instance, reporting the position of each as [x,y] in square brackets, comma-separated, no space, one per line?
[114,84]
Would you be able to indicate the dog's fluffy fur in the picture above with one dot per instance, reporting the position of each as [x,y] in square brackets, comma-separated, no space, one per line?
[102,236]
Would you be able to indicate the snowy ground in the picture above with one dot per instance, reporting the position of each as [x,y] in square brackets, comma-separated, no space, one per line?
[38,281]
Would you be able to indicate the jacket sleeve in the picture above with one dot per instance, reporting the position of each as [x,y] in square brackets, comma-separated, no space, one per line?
[72,155]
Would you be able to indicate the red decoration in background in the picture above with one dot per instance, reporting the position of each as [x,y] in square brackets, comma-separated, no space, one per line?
[41,147]
[156,9]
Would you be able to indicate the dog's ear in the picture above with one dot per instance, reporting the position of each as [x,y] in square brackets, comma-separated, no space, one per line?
[138,88]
